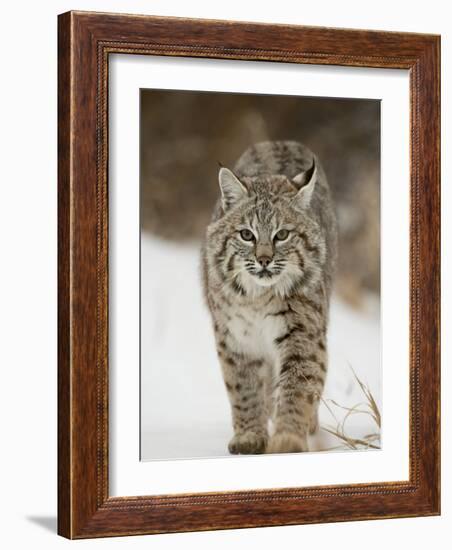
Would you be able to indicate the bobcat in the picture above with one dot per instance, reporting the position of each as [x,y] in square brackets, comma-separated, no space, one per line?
[268,264]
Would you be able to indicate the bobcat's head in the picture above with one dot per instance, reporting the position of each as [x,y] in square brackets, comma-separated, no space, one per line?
[267,235]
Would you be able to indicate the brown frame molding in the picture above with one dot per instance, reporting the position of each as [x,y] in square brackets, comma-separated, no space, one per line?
[85,41]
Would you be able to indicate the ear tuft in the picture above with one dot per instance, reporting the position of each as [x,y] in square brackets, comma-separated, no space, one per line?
[306,182]
[232,189]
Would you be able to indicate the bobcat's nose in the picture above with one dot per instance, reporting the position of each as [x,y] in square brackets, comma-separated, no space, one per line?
[264,261]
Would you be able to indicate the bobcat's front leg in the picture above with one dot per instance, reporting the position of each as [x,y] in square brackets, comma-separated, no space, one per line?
[301,377]
[244,382]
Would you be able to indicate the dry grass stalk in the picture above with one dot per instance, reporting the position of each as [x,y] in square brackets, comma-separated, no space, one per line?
[368,407]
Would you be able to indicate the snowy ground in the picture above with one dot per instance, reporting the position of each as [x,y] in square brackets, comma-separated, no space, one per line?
[184,408]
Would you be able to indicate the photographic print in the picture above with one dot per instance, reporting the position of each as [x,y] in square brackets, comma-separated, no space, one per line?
[260,274]
[248,275]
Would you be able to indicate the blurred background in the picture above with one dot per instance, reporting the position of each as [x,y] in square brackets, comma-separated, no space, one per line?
[184,135]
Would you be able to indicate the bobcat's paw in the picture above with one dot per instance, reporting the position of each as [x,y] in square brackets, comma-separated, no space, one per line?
[286,442]
[248,443]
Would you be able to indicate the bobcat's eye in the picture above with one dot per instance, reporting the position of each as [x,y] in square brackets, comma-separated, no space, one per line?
[282,235]
[246,235]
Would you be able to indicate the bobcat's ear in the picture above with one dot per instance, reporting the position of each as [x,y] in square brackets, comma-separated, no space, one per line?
[232,189]
[306,181]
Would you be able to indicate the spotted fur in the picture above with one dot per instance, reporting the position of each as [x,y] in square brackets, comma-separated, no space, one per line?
[268,295]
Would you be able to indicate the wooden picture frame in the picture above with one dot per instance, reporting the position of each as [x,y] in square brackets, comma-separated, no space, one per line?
[85,42]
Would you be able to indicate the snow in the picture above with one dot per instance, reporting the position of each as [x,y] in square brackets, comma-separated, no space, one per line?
[184,408]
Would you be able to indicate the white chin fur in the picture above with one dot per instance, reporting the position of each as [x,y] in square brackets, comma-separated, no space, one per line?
[255,285]
[266,281]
